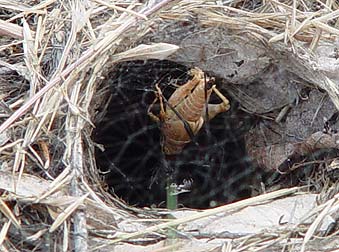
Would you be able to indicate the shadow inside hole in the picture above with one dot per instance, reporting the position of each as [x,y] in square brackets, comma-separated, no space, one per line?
[133,164]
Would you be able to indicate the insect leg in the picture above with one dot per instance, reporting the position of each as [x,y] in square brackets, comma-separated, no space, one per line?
[149,110]
[225,101]
[215,109]
[161,101]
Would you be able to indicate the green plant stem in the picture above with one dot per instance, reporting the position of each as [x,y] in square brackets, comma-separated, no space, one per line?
[172,198]
[172,204]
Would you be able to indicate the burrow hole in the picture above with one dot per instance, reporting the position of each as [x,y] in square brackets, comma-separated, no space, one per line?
[132,164]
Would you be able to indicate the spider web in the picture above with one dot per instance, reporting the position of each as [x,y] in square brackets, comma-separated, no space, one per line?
[214,167]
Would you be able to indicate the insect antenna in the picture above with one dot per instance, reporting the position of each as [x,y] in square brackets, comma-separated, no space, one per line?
[206,96]
[207,85]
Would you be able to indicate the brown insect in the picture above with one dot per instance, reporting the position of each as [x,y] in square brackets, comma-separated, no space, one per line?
[185,111]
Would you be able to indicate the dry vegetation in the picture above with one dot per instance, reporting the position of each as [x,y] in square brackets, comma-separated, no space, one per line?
[54,59]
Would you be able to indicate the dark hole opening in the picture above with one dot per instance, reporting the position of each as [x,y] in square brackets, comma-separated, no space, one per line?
[133,165]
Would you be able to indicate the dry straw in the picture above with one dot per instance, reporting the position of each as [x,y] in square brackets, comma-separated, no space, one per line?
[51,194]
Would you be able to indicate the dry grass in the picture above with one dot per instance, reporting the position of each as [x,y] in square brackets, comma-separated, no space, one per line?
[55,56]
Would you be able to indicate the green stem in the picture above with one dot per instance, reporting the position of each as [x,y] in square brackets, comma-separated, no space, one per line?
[172,204]
[172,197]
